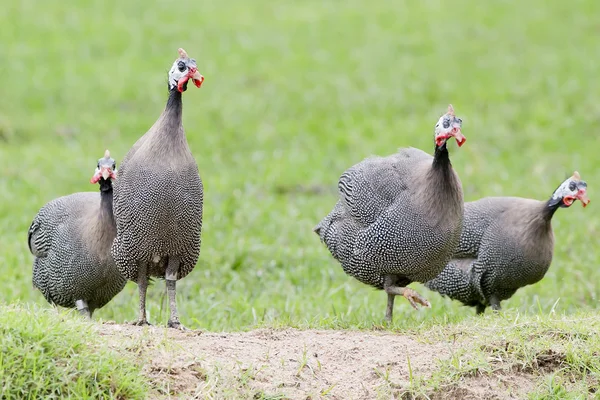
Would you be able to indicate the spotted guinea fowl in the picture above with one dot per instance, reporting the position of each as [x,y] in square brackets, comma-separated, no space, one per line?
[71,238]
[398,218]
[158,199]
[506,243]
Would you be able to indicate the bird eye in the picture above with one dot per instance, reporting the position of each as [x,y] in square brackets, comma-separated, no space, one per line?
[114,166]
[181,66]
[98,166]
[572,186]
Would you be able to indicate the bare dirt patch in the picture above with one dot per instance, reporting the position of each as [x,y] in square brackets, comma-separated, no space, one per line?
[495,387]
[294,364]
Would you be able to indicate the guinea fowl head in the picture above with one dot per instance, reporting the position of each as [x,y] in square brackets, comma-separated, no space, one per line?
[570,190]
[184,69]
[105,170]
[449,126]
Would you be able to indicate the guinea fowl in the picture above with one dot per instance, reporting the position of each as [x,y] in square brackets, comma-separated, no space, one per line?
[398,218]
[71,238]
[158,199]
[506,243]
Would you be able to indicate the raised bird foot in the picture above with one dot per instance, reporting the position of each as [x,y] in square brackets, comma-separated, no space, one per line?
[392,291]
[176,325]
[141,322]
[415,298]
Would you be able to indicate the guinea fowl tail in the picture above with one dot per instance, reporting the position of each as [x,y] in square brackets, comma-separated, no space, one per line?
[455,283]
[38,237]
[317,229]
[32,229]
[322,227]
[330,229]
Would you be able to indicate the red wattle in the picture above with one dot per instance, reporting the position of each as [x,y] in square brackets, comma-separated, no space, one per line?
[182,82]
[439,140]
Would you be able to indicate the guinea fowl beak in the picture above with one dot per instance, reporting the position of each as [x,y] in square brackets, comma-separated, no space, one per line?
[460,138]
[105,172]
[455,132]
[192,74]
[197,78]
[582,196]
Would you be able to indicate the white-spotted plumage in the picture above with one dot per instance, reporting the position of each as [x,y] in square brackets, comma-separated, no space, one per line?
[398,218]
[71,238]
[506,243]
[158,200]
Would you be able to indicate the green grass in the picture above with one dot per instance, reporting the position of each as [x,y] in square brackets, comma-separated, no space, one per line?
[53,356]
[558,353]
[295,93]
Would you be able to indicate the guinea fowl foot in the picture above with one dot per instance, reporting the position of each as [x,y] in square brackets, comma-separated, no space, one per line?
[176,325]
[141,322]
[415,298]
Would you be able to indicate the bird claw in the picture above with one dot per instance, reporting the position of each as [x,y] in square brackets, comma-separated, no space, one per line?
[141,322]
[176,325]
[415,298]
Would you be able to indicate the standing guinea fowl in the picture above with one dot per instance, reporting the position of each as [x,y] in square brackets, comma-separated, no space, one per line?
[398,219]
[506,243]
[158,199]
[71,238]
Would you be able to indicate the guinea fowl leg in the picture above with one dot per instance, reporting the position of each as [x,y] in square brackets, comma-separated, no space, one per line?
[393,290]
[170,280]
[142,282]
[480,309]
[83,308]
[389,311]
[495,303]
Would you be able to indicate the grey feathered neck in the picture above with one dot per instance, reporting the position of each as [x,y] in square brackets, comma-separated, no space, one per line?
[442,189]
[167,134]
[106,199]
[105,186]
[441,168]
[550,208]
[174,108]
[441,158]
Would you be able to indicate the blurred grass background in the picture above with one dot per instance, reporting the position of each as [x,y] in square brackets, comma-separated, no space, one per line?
[295,93]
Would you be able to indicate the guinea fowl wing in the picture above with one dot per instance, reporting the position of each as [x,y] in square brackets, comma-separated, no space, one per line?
[42,231]
[370,187]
